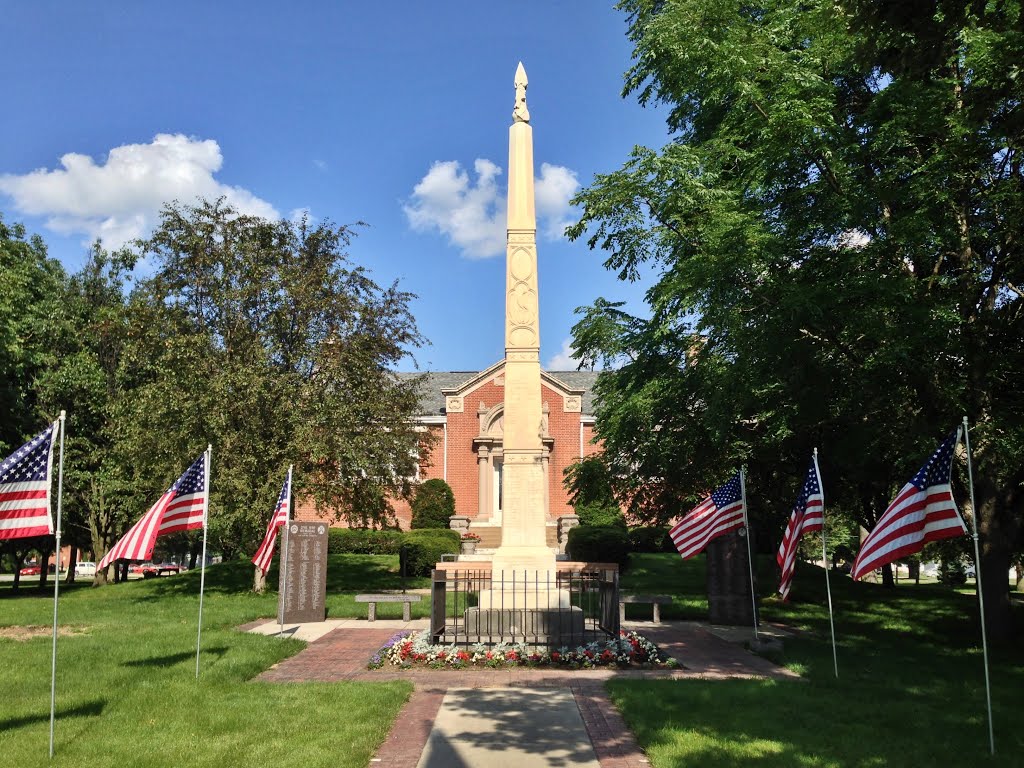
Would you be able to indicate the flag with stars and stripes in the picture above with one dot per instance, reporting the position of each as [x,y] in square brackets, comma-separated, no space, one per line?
[721,512]
[280,517]
[807,516]
[180,509]
[922,511]
[25,478]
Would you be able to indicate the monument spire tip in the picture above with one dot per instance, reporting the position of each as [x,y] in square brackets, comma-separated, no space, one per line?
[521,75]
[520,113]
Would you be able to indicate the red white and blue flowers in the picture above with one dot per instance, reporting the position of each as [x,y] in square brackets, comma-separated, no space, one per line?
[408,649]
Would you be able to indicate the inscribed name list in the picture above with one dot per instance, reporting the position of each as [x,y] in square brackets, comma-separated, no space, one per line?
[302,586]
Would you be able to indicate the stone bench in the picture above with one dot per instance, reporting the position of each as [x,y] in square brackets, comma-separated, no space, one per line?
[656,600]
[405,600]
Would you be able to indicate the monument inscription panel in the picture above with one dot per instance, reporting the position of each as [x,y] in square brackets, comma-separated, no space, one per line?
[302,588]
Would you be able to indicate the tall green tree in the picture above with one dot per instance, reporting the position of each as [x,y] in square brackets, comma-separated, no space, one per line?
[88,344]
[264,339]
[31,284]
[835,226]
[30,301]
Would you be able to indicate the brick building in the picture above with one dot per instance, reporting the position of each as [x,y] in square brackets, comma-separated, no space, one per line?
[463,411]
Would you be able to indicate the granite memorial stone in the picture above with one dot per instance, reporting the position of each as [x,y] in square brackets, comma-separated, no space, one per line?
[302,588]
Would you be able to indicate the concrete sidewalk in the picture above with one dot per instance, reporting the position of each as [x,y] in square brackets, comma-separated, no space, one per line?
[508,728]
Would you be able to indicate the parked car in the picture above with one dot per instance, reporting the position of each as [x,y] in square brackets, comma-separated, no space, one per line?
[30,570]
[85,570]
[149,570]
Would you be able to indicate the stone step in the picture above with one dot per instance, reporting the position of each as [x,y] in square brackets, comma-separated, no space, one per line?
[490,536]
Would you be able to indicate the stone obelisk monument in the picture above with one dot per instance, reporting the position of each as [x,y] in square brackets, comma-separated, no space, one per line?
[523,545]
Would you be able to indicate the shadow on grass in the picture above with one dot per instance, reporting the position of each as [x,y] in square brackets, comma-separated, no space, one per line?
[175,658]
[90,709]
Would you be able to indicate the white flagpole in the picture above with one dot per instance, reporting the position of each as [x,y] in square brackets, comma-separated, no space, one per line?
[977,584]
[750,554]
[56,581]
[824,558]
[283,580]
[202,565]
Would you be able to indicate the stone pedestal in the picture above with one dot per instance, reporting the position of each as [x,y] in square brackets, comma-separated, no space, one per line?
[729,581]
[526,625]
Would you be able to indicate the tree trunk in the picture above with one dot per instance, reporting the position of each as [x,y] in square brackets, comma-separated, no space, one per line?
[996,522]
[44,567]
[887,578]
[72,563]
[123,567]
[19,558]
[259,581]
[193,556]
[102,575]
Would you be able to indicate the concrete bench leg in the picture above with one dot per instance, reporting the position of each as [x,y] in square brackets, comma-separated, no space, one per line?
[622,613]
[406,611]
[372,613]
[657,614]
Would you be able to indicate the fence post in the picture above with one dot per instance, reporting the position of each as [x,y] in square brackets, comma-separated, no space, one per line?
[438,590]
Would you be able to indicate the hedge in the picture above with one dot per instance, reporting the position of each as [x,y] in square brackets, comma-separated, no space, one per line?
[358,541]
[650,539]
[422,549]
[599,544]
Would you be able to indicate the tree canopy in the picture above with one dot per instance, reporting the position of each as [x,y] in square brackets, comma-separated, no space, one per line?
[260,337]
[835,225]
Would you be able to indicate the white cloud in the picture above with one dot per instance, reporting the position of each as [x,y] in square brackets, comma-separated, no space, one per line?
[553,191]
[471,212]
[565,360]
[120,199]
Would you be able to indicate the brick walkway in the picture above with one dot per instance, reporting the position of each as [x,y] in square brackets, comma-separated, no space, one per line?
[344,653]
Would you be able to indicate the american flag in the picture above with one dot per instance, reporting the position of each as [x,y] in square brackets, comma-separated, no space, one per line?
[807,517]
[922,511]
[25,488]
[266,551]
[719,513]
[180,509]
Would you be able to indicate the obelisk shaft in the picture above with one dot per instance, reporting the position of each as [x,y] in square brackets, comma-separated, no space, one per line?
[523,543]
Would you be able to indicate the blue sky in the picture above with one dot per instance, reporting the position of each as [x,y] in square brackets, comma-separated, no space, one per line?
[394,114]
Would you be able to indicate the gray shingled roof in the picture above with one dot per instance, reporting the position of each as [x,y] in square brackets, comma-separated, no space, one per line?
[432,401]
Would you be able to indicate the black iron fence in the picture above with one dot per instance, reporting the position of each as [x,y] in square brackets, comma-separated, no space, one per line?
[535,608]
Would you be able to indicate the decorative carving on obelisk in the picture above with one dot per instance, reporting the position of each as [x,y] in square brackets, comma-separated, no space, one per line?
[523,543]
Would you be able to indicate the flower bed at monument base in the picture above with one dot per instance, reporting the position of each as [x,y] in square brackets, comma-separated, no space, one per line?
[409,649]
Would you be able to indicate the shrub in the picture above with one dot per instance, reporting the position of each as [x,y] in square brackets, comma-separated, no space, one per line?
[650,539]
[359,541]
[952,572]
[601,515]
[421,550]
[600,544]
[433,505]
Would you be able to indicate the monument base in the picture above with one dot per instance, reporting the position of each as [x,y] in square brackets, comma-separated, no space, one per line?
[526,625]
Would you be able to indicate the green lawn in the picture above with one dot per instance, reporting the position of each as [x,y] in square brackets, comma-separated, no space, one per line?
[126,690]
[910,692]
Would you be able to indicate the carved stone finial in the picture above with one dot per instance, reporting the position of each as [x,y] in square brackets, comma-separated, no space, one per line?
[520,113]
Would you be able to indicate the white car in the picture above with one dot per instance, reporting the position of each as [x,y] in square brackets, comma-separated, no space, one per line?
[85,570]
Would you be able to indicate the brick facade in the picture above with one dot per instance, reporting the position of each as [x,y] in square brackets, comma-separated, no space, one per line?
[462,411]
